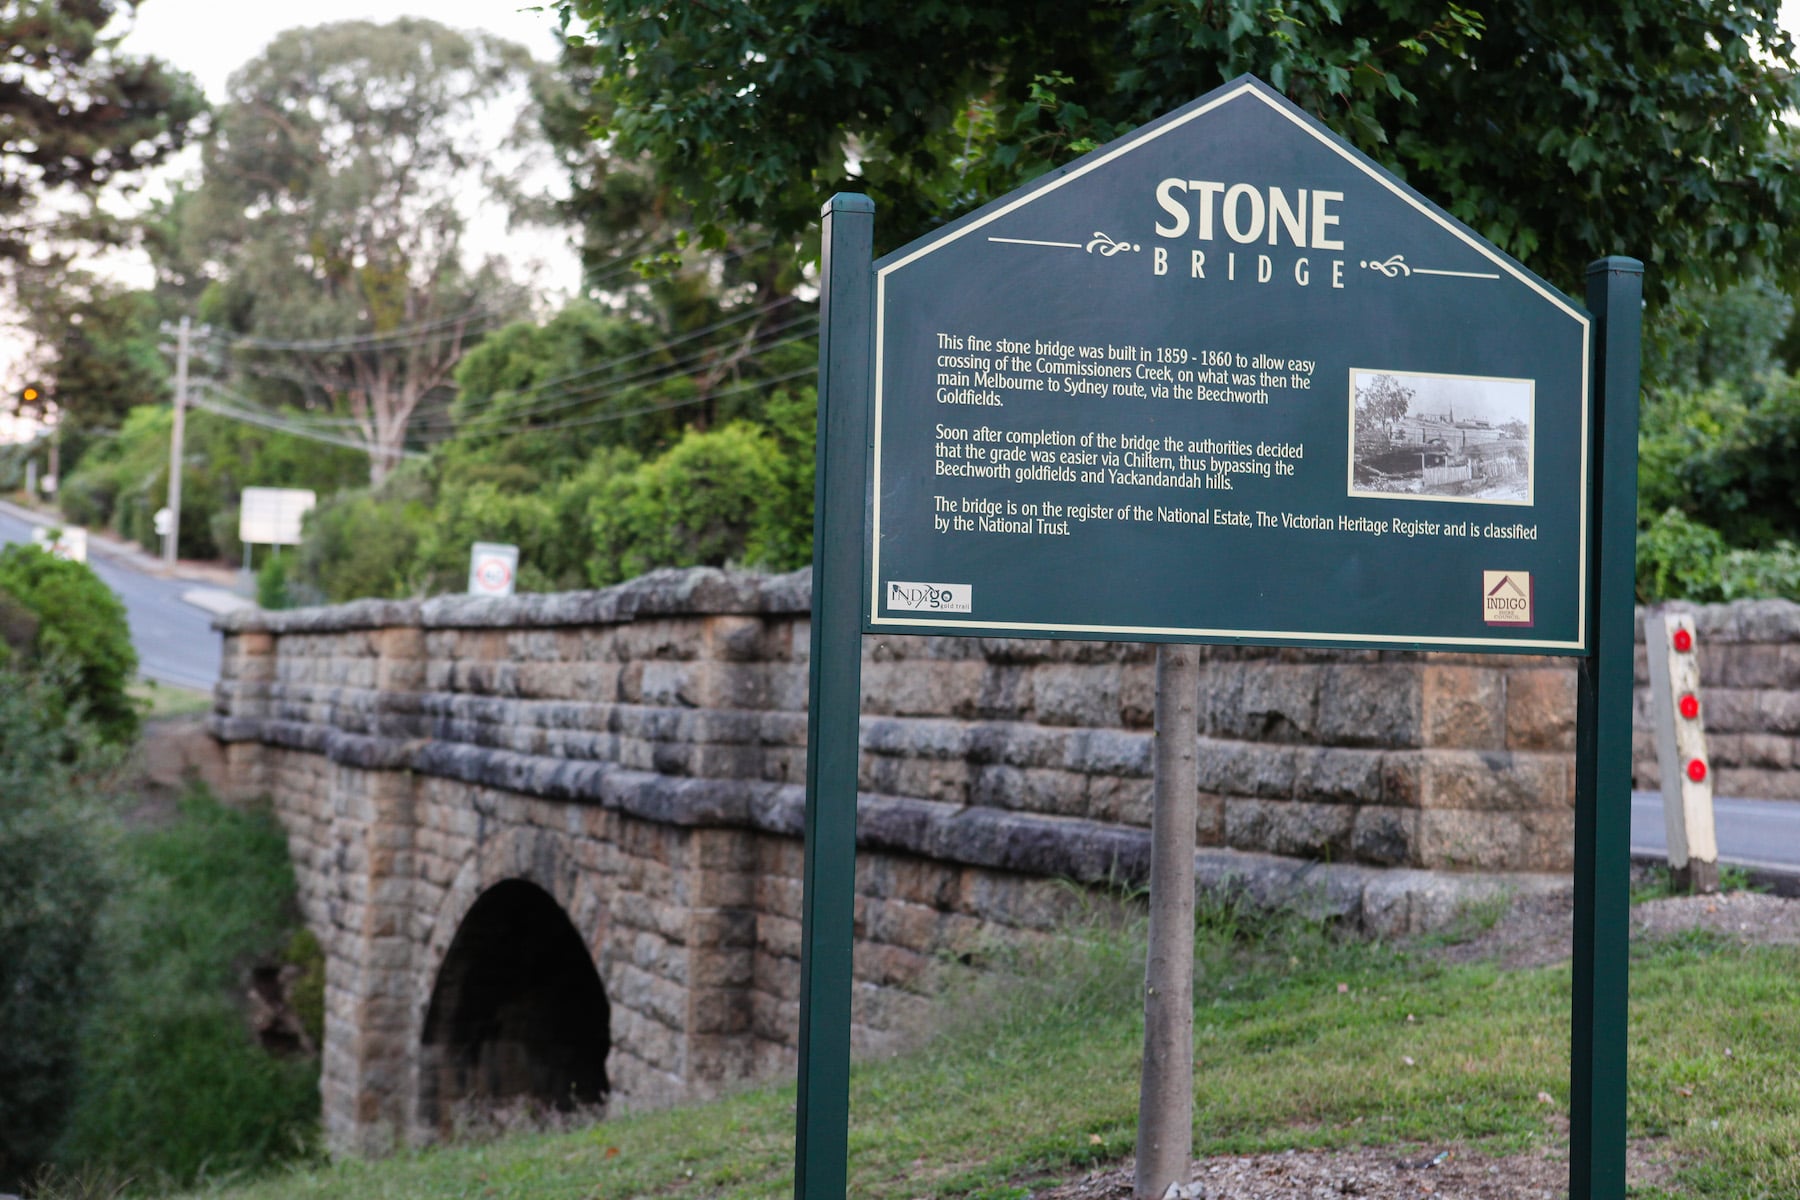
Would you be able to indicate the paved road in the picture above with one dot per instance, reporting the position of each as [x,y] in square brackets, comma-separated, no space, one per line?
[174,639]
[1757,834]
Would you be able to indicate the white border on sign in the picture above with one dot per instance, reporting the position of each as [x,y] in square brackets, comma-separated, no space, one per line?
[1380,177]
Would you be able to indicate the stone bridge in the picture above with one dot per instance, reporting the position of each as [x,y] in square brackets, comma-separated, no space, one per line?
[551,844]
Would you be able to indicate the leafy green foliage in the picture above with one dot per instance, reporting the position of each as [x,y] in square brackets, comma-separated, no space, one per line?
[81,636]
[78,114]
[124,480]
[1718,482]
[585,505]
[172,1084]
[362,542]
[1561,132]
[1703,339]
[1745,480]
[102,353]
[54,785]
[271,583]
[1678,558]
[697,504]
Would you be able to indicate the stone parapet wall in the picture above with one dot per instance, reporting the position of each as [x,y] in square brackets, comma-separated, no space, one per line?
[639,754]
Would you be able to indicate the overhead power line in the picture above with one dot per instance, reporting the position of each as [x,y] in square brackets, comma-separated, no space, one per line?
[647,376]
[420,334]
[608,364]
[253,416]
[668,405]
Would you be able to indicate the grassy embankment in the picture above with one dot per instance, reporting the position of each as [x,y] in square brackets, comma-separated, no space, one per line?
[1302,1040]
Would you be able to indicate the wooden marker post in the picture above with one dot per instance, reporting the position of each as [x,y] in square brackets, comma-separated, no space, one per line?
[1687,787]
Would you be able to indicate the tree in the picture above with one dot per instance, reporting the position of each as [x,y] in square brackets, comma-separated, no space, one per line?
[75,116]
[329,208]
[99,345]
[1559,131]
[1381,403]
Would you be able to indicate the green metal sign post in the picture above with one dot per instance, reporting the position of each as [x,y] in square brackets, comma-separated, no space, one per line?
[1223,380]
[1603,753]
[833,699]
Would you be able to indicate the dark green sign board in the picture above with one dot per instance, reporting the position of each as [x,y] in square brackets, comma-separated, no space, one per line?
[1223,380]
[1227,379]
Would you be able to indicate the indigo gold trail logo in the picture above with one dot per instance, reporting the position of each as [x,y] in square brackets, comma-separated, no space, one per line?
[930,597]
[1506,598]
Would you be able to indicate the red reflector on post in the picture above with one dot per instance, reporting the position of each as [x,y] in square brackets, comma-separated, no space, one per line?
[1684,641]
[1690,706]
[1696,770]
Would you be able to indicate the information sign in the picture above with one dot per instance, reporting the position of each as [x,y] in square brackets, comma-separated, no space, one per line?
[272,516]
[1228,380]
[1222,380]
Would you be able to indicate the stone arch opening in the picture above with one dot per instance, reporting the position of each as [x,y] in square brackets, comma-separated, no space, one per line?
[517,1013]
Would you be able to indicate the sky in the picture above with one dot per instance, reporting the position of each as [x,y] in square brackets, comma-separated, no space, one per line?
[194,36]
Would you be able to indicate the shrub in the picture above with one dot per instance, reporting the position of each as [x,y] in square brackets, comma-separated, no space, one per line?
[714,498]
[82,628]
[361,542]
[1678,558]
[172,1084]
[485,513]
[272,584]
[53,785]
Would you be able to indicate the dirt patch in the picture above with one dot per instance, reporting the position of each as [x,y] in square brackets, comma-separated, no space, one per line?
[1753,918]
[1539,930]
[1381,1173]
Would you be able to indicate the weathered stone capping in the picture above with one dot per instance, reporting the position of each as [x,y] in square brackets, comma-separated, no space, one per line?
[638,754]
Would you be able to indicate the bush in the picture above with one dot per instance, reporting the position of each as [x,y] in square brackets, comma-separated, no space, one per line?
[1678,558]
[53,786]
[715,498]
[81,629]
[172,1084]
[485,513]
[362,543]
[272,584]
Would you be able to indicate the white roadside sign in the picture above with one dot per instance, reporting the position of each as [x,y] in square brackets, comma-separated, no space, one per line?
[493,567]
[69,542]
[271,516]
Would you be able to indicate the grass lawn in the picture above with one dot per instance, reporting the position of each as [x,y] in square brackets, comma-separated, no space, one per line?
[155,700]
[1302,1040]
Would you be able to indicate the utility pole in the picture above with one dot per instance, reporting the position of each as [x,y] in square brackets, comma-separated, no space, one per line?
[175,440]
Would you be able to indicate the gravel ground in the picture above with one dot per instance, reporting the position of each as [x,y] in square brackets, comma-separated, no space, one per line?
[1365,1174]
[1535,932]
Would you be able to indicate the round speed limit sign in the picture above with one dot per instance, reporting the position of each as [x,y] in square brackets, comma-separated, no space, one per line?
[492,567]
[493,575]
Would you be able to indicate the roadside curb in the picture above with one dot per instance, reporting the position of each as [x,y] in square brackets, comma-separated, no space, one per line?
[1762,879]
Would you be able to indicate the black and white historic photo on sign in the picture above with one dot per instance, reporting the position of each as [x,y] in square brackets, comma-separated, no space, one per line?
[1440,437]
